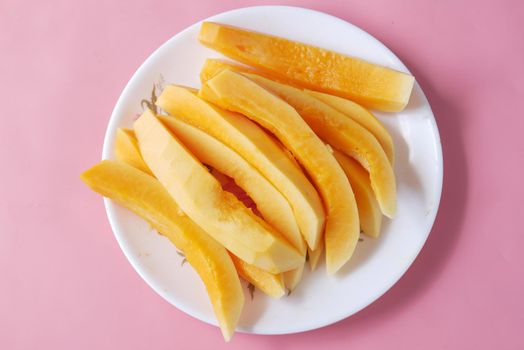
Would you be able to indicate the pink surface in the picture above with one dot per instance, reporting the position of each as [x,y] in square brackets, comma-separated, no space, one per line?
[65,283]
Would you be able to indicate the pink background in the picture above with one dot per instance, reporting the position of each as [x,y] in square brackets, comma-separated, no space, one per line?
[64,282]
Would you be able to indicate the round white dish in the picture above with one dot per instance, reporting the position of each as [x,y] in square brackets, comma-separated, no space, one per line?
[377,264]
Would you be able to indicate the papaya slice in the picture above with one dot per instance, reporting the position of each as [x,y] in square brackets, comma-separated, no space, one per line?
[212,66]
[314,256]
[274,208]
[363,117]
[257,148]
[202,198]
[293,277]
[346,135]
[349,135]
[146,197]
[351,109]
[127,150]
[235,92]
[368,209]
[271,284]
[371,85]
[268,283]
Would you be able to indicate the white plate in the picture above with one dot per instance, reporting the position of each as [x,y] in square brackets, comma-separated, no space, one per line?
[377,264]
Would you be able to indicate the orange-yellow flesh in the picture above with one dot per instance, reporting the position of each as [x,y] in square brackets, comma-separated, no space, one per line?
[235,92]
[362,116]
[127,150]
[270,284]
[212,66]
[292,278]
[371,85]
[314,256]
[333,126]
[345,134]
[146,197]
[349,108]
[368,208]
[202,198]
[274,207]
[258,148]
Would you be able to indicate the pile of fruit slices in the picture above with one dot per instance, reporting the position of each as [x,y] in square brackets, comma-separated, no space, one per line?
[291,131]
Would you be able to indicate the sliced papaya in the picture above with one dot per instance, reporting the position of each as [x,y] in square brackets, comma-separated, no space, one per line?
[202,198]
[274,208]
[314,256]
[368,209]
[212,66]
[257,148]
[362,116]
[146,197]
[127,150]
[293,277]
[325,121]
[235,92]
[345,134]
[312,67]
[269,283]
[351,109]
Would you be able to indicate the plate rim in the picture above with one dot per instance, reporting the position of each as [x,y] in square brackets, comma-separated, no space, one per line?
[108,145]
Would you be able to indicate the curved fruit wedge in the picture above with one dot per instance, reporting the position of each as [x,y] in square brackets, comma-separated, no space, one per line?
[235,92]
[346,135]
[314,256]
[213,66]
[361,116]
[127,150]
[146,197]
[351,109]
[368,208]
[256,147]
[270,284]
[274,208]
[312,67]
[201,197]
[330,125]
[292,278]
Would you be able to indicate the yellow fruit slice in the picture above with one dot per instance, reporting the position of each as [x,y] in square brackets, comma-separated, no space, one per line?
[274,208]
[257,148]
[361,116]
[270,284]
[292,278]
[368,208]
[357,141]
[346,135]
[314,256]
[146,197]
[312,67]
[235,92]
[212,66]
[127,150]
[351,109]
[202,198]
